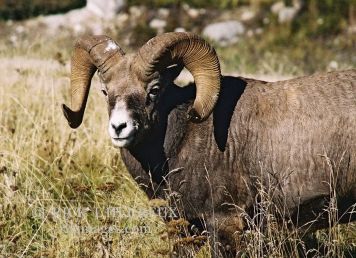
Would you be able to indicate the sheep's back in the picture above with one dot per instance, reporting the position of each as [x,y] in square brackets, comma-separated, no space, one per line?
[299,135]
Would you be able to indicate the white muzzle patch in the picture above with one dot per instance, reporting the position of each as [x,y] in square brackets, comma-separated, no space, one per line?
[122,127]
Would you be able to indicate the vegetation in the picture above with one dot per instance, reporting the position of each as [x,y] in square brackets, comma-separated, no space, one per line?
[316,17]
[22,9]
[194,3]
[50,175]
[272,53]
[318,38]
[62,189]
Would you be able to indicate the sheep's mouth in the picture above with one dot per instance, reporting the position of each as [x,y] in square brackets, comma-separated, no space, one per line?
[123,141]
[122,138]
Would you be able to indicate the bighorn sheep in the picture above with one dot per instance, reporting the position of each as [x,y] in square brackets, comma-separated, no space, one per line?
[299,132]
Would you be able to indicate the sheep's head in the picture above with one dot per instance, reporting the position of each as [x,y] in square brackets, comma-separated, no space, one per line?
[133,84]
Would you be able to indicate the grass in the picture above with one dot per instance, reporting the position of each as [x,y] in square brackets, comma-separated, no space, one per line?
[271,234]
[280,52]
[60,189]
[46,167]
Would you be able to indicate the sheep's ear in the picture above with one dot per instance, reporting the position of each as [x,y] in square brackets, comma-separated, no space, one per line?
[172,72]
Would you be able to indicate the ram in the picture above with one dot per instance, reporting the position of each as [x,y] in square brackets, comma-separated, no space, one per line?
[210,144]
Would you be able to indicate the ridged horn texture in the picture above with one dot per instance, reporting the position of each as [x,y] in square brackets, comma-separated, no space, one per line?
[90,53]
[196,55]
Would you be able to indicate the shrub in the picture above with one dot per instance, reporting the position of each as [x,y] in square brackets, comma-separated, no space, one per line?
[22,9]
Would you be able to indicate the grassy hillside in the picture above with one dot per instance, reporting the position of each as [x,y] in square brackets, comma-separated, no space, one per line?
[50,174]
[61,189]
[65,193]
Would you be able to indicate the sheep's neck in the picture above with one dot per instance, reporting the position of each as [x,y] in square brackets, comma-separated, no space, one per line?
[150,154]
[164,140]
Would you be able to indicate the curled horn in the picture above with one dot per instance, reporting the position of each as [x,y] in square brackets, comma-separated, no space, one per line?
[196,55]
[90,53]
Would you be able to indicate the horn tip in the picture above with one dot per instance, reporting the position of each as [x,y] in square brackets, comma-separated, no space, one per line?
[74,119]
[194,116]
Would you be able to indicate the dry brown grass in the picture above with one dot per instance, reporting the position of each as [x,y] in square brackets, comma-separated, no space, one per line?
[48,168]
[55,183]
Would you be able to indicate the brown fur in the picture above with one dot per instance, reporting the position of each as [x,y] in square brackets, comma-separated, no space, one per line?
[298,132]
[295,138]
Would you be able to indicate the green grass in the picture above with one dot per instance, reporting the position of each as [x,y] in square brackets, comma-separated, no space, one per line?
[280,50]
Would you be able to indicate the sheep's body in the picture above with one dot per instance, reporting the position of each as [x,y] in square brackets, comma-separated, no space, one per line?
[291,135]
[294,138]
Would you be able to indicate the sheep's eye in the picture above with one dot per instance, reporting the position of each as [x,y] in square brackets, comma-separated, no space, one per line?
[104,92]
[153,93]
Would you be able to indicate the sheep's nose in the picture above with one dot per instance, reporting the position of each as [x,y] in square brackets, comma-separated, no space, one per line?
[119,128]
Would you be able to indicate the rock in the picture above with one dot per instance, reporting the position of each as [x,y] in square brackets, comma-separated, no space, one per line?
[136,11]
[78,28]
[90,18]
[224,33]
[333,65]
[179,29]
[193,13]
[287,14]
[158,25]
[77,20]
[121,19]
[105,9]
[250,33]
[277,7]
[258,31]
[248,15]
[163,13]
[184,78]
